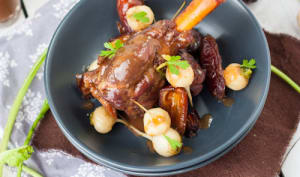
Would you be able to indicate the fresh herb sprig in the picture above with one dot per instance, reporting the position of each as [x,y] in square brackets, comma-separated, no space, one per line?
[174,143]
[247,67]
[249,64]
[112,47]
[15,157]
[142,17]
[41,115]
[14,112]
[173,62]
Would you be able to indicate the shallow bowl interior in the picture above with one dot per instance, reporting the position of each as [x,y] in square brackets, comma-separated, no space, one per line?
[80,37]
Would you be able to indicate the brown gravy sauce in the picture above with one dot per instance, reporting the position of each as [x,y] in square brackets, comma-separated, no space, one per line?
[88,105]
[205,121]
[187,150]
[228,101]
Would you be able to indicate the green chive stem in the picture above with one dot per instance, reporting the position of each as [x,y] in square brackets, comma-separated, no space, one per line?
[41,115]
[16,105]
[31,171]
[161,66]
[286,78]
[179,10]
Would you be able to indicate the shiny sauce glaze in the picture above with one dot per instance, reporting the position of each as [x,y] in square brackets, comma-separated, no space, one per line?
[205,121]
[187,150]
[227,101]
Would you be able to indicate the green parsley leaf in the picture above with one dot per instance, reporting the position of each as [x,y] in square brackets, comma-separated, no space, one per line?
[108,45]
[174,58]
[141,16]
[173,69]
[174,143]
[113,48]
[181,64]
[249,64]
[107,53]
[15,157]
[173,62]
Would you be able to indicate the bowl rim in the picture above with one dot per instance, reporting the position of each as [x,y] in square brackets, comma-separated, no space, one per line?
[117,165]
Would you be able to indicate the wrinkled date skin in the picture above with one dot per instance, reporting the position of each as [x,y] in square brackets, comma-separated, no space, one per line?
[175,102]
[122,7]
[211,61]
[192,124]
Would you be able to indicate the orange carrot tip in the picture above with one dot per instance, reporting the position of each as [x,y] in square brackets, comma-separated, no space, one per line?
[195,12]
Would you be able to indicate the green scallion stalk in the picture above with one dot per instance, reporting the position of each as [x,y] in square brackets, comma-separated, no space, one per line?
[41,115]
[286,78]
[17,103]
[31,171]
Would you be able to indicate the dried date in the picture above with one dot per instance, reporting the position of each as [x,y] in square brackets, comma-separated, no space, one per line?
[175,102]
[211,60]
[192,124]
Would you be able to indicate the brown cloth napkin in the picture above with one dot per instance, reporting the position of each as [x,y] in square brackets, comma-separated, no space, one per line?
[260,154]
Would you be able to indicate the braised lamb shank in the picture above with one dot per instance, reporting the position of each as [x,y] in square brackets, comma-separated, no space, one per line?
[131,73]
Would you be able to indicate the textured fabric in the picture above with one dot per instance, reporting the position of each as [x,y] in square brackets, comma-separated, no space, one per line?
[260,153]
[19,49]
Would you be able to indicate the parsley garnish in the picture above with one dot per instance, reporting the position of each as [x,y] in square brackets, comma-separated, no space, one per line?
[172,63]
[141,16]
[15,157]
[112,48]
[174,143]
[247,66]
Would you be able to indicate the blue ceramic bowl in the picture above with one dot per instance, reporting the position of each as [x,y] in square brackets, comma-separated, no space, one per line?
[77,42]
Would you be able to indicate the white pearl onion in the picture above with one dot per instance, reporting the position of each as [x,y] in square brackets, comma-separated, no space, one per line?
[134,23]
[156,121]
[234,78]
[102,120]
[162,146]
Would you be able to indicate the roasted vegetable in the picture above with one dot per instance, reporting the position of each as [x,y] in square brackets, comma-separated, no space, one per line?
[195,12]
[122,7]
[175,102]
[234,77]
[139,17]
[167,144]
[192,124]
[199,73]
[102,120]
[156,121]
[212,62]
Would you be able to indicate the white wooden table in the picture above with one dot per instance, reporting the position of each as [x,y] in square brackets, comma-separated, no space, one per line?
[277,16]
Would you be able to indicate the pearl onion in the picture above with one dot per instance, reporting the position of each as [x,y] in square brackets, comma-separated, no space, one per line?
[184,79]
[134,23]
[102,120]
[234,78]
[162,146]
[156,121]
